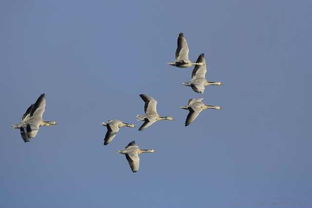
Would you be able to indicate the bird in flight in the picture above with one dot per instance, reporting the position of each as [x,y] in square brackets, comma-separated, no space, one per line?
[32,119]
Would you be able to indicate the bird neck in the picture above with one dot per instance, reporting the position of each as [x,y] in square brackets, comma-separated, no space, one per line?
[213,83]
[48,123]
[129,125]
[164,118]
[122,151]
[213,107]
[147,150]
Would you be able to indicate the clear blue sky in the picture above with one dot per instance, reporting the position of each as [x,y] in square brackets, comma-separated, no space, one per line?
[93,59]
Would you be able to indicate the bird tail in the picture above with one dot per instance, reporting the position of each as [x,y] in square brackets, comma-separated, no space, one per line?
[16,126]
[140,117]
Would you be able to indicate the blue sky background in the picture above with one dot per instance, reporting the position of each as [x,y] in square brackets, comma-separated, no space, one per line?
[93,59]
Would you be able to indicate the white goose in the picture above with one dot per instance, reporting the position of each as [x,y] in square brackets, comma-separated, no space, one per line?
[198,81]
[113,127]
[132,152]
[182,54]
[151,115]
[195,107]
[32,119]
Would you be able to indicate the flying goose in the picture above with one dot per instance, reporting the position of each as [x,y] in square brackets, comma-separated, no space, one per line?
[182,54]
[198,81]
[32,119]
[113,127]
[132,152]
[151,115]
[195,106]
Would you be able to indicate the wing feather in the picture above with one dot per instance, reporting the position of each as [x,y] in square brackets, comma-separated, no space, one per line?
[150,106]
[134,161]
[146,124]
[191,116]
[182,51]
[200,71]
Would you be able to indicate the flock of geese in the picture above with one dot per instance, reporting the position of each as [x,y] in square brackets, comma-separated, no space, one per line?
[32,119]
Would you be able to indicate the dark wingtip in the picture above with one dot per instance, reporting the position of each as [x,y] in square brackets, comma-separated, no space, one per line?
[200,58]
[105,143]
[142,96]
[131,143]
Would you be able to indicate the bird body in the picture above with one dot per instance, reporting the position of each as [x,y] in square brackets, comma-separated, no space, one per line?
[32,119]
[151,115]
[195,107]
[132,152]
[113,127]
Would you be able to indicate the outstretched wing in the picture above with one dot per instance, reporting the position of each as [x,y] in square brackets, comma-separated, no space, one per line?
[134,161]
[199,88]
[24,135]
[27,113]
[191,116]
[191,101]
[182,51]
[110,135]
[132,143]
[200,71]
[29,131]
[146,124]
[39,107]
[150,106]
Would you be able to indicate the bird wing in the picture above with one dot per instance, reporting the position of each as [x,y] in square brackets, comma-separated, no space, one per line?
[191,101]
[191,116]
[194,100]
[132,143]
[200,71]
[29,131]
[150,106]
[24,134]
[134,161]
[27,113]
[199,88]
[38,108]
[110,135]
[182,52]
[146,124]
